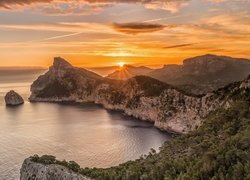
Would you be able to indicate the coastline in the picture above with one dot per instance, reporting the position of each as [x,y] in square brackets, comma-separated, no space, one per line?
[122,112]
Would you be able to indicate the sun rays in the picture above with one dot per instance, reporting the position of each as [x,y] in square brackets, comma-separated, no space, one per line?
[121,64]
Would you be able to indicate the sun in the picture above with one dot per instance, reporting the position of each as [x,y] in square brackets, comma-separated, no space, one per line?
[121,64]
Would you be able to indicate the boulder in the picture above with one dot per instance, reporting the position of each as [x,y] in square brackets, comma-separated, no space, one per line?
[32,170]
[13,99]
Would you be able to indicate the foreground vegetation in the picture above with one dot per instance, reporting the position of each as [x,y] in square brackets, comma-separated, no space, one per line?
[219,149]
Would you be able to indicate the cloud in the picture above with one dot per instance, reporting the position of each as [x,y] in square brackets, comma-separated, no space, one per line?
[170,5]
[77,6]
[68,8]
[82,7]
[7,4]
[135,28]
[178,46]
[216,1]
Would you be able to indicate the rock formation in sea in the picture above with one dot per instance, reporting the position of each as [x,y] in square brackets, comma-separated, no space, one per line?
[142,97]
[13,99]
[38,171]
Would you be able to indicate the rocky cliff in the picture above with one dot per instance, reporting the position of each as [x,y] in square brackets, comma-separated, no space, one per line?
[37,171]
[141,97]
[203,74]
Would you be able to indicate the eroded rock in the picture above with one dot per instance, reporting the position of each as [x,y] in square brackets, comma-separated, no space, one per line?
[13,99]
[38,171]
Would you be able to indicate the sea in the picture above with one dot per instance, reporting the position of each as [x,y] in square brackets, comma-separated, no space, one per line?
[85,133]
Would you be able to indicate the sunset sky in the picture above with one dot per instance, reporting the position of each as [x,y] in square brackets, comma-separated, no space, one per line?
[97,33]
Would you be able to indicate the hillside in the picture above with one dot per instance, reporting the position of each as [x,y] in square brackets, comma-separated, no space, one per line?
[128,72]
[219,149]
[142,97]
[204,74]
[216,145]
[197,75]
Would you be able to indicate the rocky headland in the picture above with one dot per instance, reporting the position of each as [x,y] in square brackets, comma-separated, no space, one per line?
[218,149]
[142,97]
[222,118]
[37,171]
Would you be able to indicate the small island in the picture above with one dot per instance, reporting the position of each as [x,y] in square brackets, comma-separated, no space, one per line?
[13,99]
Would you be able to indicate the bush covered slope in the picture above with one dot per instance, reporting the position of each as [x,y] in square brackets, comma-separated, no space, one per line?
[219,149]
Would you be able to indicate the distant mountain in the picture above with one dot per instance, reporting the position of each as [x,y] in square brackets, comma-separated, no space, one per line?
[141,96]
[103,71]
[127,72]
[204,74]
[198,75]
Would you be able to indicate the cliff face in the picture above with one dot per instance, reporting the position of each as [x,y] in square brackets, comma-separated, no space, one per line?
[32,170]
[203,74]
[142,97]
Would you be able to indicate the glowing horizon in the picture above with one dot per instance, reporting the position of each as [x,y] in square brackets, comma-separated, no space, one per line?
[106,32]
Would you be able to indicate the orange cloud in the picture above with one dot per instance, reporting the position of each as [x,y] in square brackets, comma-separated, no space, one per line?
[179,46]
[80,6]
[68,8]
[216,1]
[135,28]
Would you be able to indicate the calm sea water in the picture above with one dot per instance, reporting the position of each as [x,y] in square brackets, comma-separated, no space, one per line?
[87,134]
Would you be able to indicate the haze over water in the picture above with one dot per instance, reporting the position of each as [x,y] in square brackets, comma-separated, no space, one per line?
[87,134]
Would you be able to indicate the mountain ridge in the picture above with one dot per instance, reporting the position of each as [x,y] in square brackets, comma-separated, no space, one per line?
[198,75]
[129,71]
[142,97]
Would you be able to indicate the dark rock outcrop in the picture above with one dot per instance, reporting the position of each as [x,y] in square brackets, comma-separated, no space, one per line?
[13,99]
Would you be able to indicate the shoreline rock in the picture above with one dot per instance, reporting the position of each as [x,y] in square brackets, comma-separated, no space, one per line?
[38,171]
[13,99]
